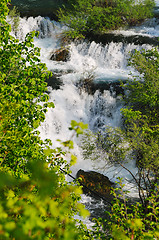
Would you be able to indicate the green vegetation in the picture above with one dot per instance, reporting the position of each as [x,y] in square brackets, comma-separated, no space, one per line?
[142,116]
[84,16]
[36,202]
[137,141]
[139,137]
[14,16]
[129,221]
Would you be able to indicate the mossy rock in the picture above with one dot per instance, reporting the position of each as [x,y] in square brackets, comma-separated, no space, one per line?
[62,54]
[95,183]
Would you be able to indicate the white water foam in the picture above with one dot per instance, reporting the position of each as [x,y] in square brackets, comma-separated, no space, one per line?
[105,63]
[150,28]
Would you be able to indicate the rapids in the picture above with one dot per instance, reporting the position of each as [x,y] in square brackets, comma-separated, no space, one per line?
[105,64]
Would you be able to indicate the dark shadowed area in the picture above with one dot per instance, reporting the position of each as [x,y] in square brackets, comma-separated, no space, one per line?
[38,7]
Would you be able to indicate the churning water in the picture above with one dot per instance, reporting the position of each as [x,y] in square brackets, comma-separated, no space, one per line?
[105,64]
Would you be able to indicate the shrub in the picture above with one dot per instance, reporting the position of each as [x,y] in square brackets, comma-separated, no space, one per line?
[86,16]
[36,202]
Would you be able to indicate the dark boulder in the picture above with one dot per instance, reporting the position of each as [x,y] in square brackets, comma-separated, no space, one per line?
[114,87]
[95,183]
[54,81]
[106,38]
[62,54]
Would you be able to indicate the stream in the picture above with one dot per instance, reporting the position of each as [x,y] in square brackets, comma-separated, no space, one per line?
[106,64]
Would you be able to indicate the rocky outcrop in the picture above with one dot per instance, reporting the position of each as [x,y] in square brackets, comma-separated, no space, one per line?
[156,11]
[91,87]
[54,81]
[61,54]
[95,183]
[112,37]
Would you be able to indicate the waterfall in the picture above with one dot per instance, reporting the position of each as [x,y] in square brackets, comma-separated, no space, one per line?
[104,64]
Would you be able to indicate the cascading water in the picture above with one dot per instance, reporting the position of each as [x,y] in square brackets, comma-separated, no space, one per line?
[105,64]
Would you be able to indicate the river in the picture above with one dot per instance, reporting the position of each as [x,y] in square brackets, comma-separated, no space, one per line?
[100,107]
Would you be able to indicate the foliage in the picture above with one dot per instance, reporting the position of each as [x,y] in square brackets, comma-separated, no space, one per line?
[138,141]
[86,16]
[128,221]
[14,17]
[36,202]
[141,115]
[143,94]
[139,138]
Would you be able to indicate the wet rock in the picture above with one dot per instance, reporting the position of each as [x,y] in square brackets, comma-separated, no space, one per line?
[113,37]
[156,11]
[54,82]
[114,87]
[62,54]
[95,183]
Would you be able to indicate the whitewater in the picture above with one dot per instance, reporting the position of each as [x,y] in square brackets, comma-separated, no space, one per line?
[105,64]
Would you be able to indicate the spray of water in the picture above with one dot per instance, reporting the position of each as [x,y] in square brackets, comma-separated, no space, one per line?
[105,64]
